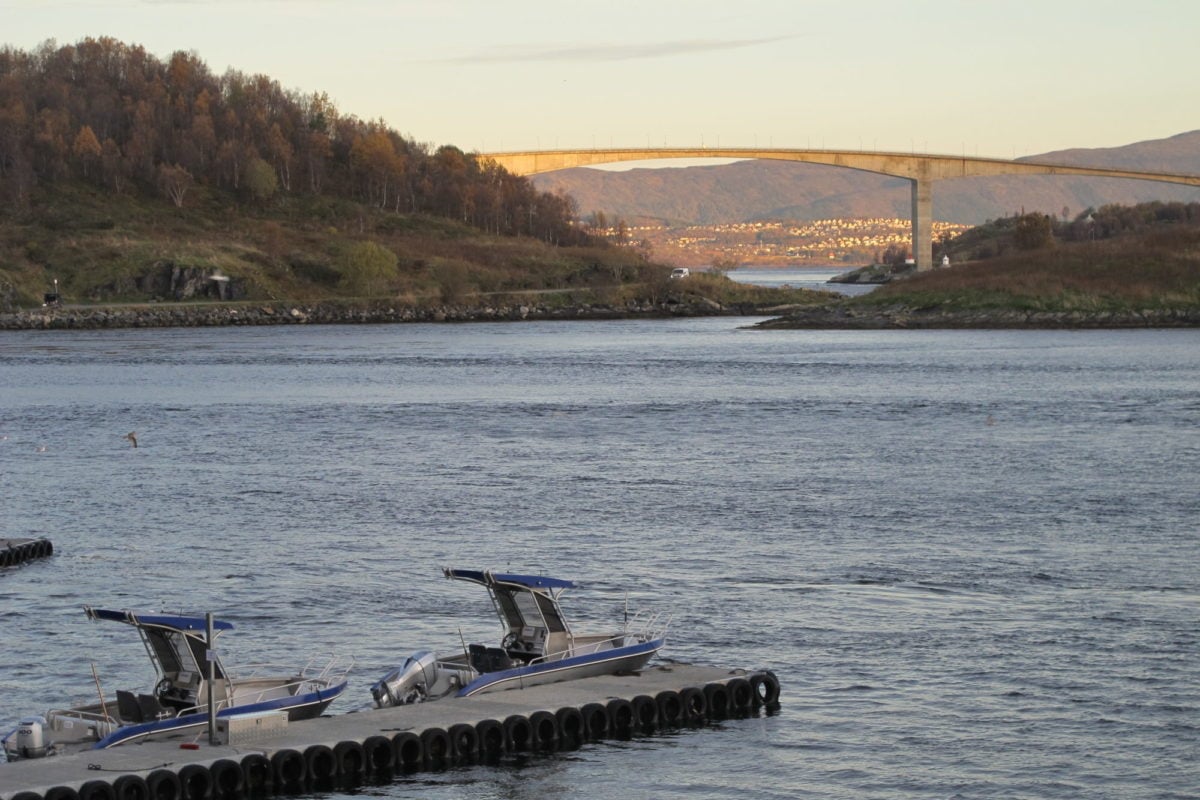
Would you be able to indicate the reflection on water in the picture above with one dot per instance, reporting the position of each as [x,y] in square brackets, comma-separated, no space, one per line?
[799,278]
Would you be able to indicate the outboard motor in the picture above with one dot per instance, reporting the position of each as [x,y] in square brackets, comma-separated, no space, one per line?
[408,684]
[30,739]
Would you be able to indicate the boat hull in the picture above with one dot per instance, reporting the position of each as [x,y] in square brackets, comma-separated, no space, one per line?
[607,662]
[304,706]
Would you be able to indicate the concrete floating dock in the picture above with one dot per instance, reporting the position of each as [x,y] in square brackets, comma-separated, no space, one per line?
[274,756]
[18,551]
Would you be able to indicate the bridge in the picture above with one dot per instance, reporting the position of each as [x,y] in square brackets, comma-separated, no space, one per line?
[921,169]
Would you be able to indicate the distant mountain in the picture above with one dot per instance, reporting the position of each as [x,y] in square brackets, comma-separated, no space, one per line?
[751,190]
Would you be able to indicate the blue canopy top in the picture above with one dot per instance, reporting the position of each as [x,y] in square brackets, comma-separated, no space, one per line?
[174,622]
[488,578]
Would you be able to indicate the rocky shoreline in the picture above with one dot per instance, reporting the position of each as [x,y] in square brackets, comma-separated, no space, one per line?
[204,315]
[839,317]
[168,315]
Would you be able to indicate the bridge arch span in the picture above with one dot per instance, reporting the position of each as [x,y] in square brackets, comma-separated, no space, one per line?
[922,169]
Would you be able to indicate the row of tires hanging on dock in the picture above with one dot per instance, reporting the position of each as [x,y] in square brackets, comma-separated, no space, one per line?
[14,553]
[321,768]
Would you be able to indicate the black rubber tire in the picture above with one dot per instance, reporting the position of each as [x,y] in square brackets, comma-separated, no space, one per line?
[695,704]
[595,721]
[465,742]
[409,750]
[227,778]
[765,687]
[645,711]
[164,785]
[24,795]
[438,751]
[256,774]
[195,782]
[670,708]
[351,760]
[61,793]
[129,787]
[620,717]
[571,730]
[6,561]
[491,738]
[518,734]
[545,730]
[97,790]
[717,695]
[379,754]
[320,762]
[741,697]
[289,769]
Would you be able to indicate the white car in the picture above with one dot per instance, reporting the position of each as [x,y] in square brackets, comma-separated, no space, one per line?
[679,272]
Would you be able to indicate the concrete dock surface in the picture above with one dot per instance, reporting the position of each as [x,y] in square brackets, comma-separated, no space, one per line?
[433,729]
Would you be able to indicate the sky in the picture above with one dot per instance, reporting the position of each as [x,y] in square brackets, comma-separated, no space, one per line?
[971,77]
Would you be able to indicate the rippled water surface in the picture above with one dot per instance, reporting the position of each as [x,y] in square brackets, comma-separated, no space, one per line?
[969,556]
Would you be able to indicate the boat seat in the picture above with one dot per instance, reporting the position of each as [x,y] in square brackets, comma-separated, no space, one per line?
[497,659]
[152,709]
[478,657]
[127,706]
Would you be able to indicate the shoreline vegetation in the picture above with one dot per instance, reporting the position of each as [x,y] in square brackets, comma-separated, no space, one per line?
[138,192]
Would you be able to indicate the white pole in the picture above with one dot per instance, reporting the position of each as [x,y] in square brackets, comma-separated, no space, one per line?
[210,658]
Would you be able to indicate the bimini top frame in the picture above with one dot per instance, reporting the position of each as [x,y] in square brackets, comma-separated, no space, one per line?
[525,603]
[174,643]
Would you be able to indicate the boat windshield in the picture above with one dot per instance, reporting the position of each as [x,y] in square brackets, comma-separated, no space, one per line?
[528,609]
[177,652]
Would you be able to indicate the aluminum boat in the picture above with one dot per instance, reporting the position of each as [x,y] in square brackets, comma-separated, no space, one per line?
[538,646]
[180,650]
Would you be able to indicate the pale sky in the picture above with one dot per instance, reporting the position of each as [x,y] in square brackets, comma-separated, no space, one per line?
[973,77]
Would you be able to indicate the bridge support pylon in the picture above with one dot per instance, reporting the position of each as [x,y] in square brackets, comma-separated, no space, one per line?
[922,223]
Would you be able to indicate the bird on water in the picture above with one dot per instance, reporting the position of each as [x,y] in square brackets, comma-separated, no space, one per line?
[132,437]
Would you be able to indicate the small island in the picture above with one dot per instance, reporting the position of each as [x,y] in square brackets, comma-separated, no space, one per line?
[1113,267]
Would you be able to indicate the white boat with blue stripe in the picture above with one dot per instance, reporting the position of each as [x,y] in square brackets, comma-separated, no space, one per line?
[181,651]
[537,647]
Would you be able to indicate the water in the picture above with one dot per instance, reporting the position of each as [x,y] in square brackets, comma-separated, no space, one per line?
[816,278]
[969,556]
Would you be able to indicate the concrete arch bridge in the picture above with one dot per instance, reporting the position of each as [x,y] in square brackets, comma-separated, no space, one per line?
[921,169]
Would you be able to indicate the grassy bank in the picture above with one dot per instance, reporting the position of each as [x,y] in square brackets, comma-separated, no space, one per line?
[1156,270]
[117,249]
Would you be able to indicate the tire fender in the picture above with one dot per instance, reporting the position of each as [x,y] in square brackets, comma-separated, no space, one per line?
[408,749]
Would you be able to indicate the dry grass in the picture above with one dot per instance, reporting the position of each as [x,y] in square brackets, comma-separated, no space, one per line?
[1156,270]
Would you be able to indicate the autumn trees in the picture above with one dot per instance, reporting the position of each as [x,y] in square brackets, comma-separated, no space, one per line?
[111,114]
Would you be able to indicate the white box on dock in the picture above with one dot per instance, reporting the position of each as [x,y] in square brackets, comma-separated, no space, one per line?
[246,728]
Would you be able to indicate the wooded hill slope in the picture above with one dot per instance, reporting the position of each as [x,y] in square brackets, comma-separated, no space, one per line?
[124,177]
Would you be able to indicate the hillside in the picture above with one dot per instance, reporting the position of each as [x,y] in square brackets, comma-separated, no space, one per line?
[1120,267]
[129,179]
[755,190]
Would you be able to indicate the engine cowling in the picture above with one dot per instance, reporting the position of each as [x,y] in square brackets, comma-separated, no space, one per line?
[409,683]
[29,741]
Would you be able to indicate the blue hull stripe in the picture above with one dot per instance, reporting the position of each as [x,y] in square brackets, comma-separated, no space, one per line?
[493,680]
[303,703]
